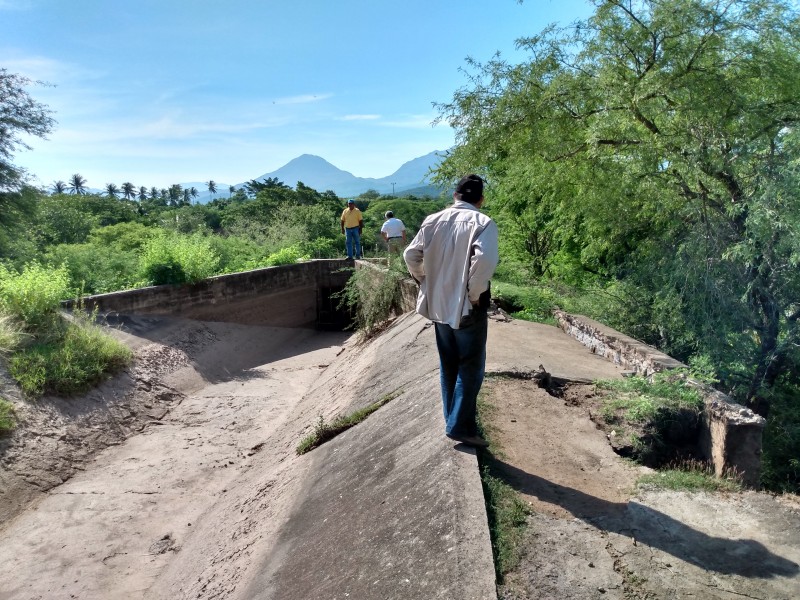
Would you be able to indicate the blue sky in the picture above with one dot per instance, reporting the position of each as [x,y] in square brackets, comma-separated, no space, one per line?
[158,92]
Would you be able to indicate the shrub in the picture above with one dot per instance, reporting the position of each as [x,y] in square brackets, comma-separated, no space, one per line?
[286,256]
[95,269]
[178,259]
[371,295]
[781,458]
[34,295]
[237,253]
[70,364]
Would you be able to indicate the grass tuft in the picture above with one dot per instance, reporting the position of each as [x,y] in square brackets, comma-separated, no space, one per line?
[690,476]
[506,512]
[7,417]
[324,431]
[11,335]
[508,518]
[69,363]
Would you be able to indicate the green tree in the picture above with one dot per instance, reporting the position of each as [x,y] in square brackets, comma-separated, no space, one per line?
[20,115]
[128,190]
[17,215]
[77,184]
[142,194]
[174,194]
[112,190]
[58,187]
[212,187]
[655,143]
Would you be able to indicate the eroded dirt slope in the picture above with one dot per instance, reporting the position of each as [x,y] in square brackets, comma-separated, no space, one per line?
[593,534]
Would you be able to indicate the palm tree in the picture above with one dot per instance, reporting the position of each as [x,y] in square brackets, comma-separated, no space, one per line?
[128,190]
[232,190]
[142,194]
[193,192]
[187,194]
[59,187]
[154,193]
[175,192]
[77,184]
[212,187]
[112,190]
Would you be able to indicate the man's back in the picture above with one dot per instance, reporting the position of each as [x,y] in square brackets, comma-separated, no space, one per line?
[453,256]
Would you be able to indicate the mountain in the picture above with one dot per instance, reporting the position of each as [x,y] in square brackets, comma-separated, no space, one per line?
[318,173]
[321,175]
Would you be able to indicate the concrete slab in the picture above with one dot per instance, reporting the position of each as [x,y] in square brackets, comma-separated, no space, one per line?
[390,508]
[523,346]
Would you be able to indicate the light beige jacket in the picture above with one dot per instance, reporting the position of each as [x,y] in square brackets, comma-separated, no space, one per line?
[453,257]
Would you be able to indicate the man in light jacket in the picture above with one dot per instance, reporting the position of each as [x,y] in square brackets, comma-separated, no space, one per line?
[453,257]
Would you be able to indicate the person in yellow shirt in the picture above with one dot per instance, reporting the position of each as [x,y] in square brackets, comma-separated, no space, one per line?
[352,227]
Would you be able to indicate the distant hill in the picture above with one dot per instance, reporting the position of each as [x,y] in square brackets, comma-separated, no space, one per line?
[318,173]
[321,175]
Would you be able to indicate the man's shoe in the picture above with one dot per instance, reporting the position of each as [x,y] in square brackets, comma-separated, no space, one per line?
[475,441]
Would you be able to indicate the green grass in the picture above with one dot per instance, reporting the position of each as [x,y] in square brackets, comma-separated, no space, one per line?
[7,419]
[640,399]
[690,476]
[11,334]
[33,296]
[506,512]
[527,302]
[69,363]
[655,419]
[507,515]
[324,431]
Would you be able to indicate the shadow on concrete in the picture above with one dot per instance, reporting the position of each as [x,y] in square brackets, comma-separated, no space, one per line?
[743,557]
[221,351]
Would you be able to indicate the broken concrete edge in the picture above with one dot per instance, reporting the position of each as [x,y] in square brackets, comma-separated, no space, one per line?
[617,347]
[731,437]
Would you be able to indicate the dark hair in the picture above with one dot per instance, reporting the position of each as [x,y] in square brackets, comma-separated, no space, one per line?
[389,214]
[469,189]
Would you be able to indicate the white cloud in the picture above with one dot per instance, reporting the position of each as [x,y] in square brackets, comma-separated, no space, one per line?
[411,122]
[360,117]
[49,70]
[303,99]
[16,4]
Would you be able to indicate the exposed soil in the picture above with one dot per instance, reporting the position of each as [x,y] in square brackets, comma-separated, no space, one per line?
[594,534]
[100,492]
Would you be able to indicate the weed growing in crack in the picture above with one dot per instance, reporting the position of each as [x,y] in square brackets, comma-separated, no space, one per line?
[324,431]
[506,512]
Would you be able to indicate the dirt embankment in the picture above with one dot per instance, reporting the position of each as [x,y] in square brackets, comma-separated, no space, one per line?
[593,534]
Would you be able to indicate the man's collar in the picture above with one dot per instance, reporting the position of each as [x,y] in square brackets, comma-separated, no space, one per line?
[463,204]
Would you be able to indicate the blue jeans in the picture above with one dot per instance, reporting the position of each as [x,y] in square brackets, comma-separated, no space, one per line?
[352,240]
[462,363]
